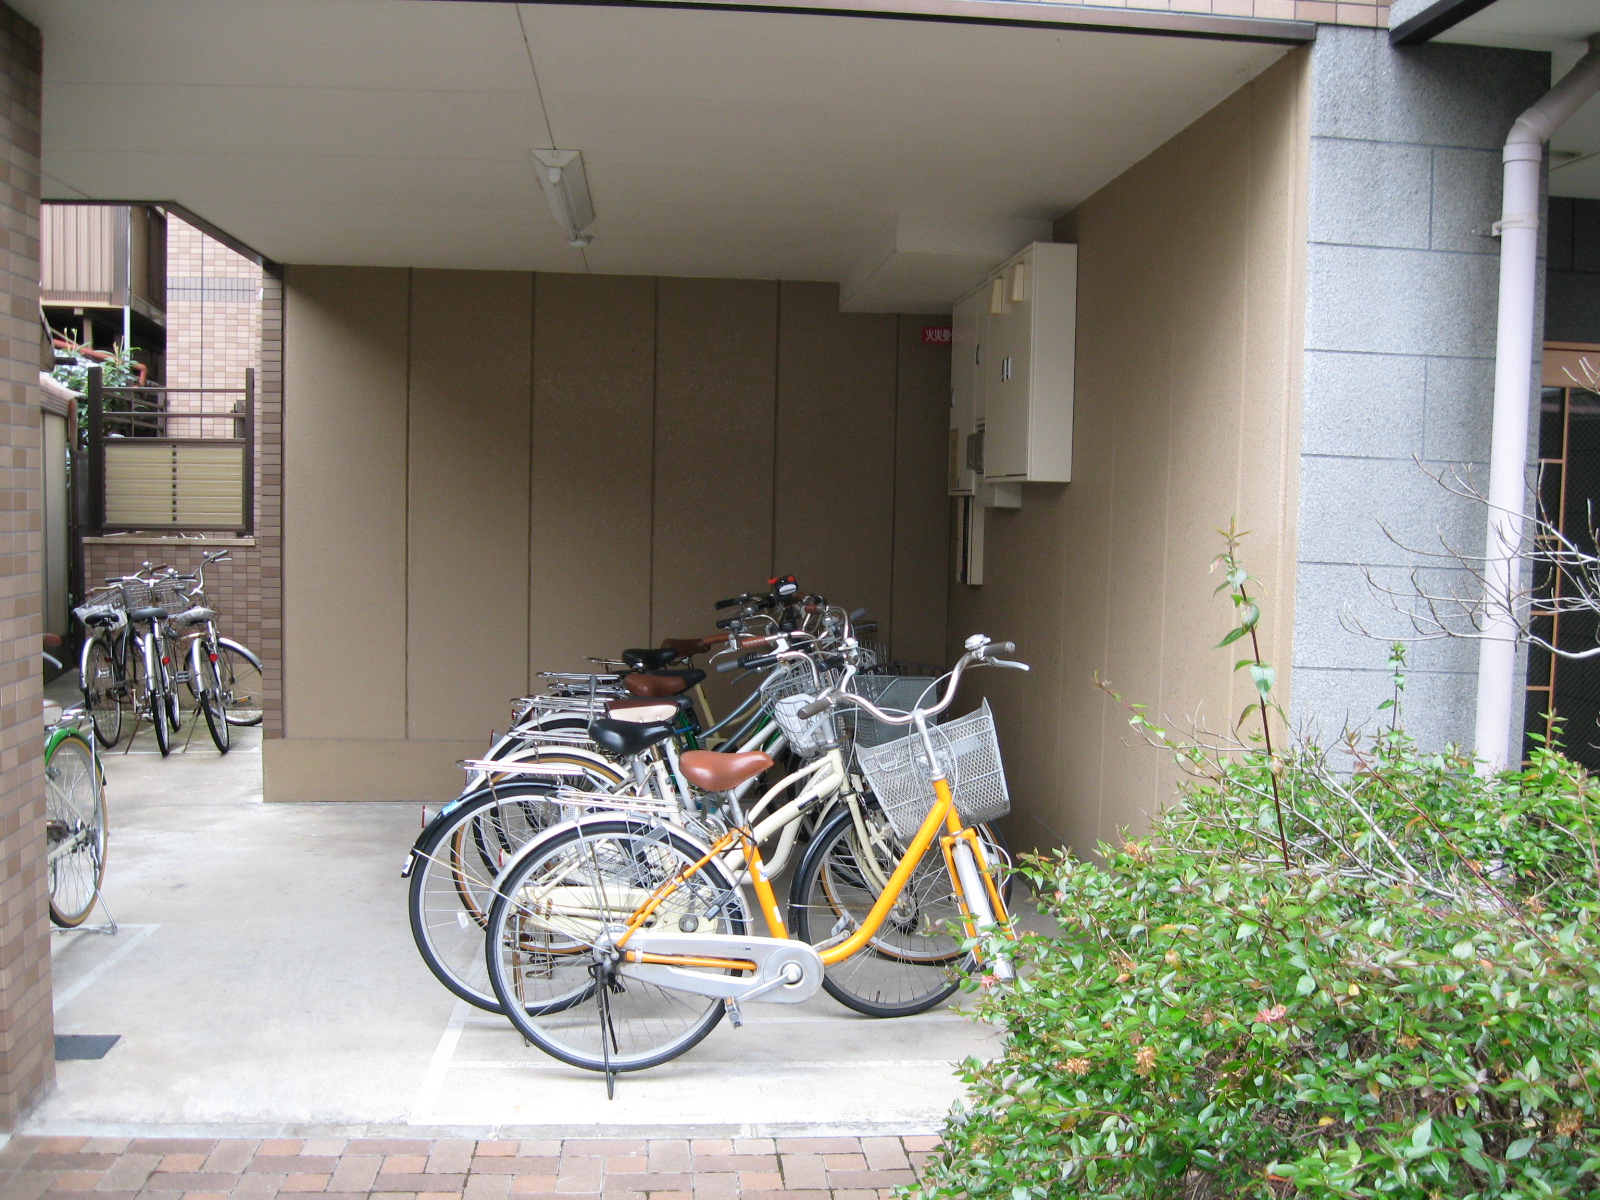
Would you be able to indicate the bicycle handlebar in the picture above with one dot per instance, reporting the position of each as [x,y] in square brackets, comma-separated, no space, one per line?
[980,655]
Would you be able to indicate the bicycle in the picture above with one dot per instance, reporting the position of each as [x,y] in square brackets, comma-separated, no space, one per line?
[75,816]
[617,943]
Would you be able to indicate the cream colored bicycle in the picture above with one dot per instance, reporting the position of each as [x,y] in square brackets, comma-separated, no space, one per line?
[617,943]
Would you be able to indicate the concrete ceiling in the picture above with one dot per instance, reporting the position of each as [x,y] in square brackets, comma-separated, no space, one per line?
[761,145]
[1562,27]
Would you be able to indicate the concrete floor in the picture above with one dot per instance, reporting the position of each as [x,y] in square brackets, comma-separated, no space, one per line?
[265,983]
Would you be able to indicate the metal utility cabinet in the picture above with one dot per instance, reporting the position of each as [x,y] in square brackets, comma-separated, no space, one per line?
[1011,375]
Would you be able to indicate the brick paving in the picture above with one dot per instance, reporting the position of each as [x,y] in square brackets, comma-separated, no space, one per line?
[801,1168]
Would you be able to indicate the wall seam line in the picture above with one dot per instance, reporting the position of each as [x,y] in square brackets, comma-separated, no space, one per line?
[533,433]
[894,485]
[655,444]
[405,691]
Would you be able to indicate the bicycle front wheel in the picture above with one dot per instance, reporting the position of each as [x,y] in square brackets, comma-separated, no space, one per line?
[205,676]
[452,880]
[75,808]
[241,683]
[149,699]
[97,679]
[551,926]
[915,960]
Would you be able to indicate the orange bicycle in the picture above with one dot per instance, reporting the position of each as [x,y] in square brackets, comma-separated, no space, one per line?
[616,943]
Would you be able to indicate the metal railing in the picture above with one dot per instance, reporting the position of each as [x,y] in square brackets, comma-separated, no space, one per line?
[155,468]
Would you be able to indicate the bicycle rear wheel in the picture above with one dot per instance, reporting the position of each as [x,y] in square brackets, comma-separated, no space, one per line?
[559,906]
[97,679]
[915,960]
[452,880]
[241,683]
[75,807]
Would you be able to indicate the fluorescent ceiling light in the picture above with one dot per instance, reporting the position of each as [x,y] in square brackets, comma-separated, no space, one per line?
[566,187]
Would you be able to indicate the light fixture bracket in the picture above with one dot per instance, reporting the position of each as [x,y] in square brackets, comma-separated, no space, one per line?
[566,190]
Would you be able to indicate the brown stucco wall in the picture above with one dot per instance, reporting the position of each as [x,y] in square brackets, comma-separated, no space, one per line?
[26,1060]
[488,474]
[1189,300]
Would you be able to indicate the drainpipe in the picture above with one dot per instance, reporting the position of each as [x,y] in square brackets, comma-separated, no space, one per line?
[1508,448]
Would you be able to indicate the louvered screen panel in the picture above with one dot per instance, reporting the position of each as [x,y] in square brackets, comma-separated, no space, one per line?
[156,484]
[138,483]
[209,484]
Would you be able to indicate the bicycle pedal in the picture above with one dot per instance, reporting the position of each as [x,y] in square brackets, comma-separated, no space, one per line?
[735,1017]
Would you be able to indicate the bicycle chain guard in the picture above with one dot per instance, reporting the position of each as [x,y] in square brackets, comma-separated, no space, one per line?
[787,972]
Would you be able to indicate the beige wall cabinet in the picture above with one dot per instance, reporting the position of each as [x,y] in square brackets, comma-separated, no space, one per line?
[1011,376]
[1027,370]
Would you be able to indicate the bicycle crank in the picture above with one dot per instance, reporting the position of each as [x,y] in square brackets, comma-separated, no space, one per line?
[786,972]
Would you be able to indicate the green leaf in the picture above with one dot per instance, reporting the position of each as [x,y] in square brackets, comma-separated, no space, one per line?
[1307,985]
[1422,1135]
[1519,1149]
[1247,930]
[1264,676]
[1233,636]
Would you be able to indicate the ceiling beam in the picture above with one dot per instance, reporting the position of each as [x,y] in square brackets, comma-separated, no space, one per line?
[1434,20]
[1032,14]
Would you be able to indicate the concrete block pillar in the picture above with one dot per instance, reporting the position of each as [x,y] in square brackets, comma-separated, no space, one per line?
[1401,294]
[27,1062]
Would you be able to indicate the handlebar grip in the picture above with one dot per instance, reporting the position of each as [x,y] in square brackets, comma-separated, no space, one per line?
[733,664]
[1001,648]
[729,603]
[856,614]
[757,662]
[817,707]
[728,622]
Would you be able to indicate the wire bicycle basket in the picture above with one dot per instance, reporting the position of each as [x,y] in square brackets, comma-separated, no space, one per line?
[969,752]
[785,693]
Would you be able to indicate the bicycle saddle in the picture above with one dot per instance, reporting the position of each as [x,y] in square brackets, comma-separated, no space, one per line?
[656,685]
[713,772]
[650,660]
[147,614]
[647,712]
[624,739]
[684,647]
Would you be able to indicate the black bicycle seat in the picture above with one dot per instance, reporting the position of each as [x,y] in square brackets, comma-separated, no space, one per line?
[148,614]
[649,660]
[624,739]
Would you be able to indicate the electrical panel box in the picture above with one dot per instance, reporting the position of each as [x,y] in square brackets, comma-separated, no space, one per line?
[1011,383]
[1027,374]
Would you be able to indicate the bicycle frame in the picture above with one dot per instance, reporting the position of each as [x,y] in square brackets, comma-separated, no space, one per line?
[942,814]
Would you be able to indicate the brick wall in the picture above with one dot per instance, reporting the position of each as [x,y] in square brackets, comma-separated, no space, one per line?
[213,323]
[269,501]
[27,1060]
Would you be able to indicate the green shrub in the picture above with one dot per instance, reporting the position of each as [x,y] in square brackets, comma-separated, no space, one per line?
[1410,1009]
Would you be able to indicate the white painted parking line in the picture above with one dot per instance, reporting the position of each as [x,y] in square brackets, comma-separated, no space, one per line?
[128,939]
[439,1065]
[726,1066]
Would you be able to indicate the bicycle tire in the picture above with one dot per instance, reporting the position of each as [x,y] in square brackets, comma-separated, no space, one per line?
[206,674]
[622,859]
[75,838]
[451,887]
[147,699]
[243,683]
[915,961]
[97,680]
